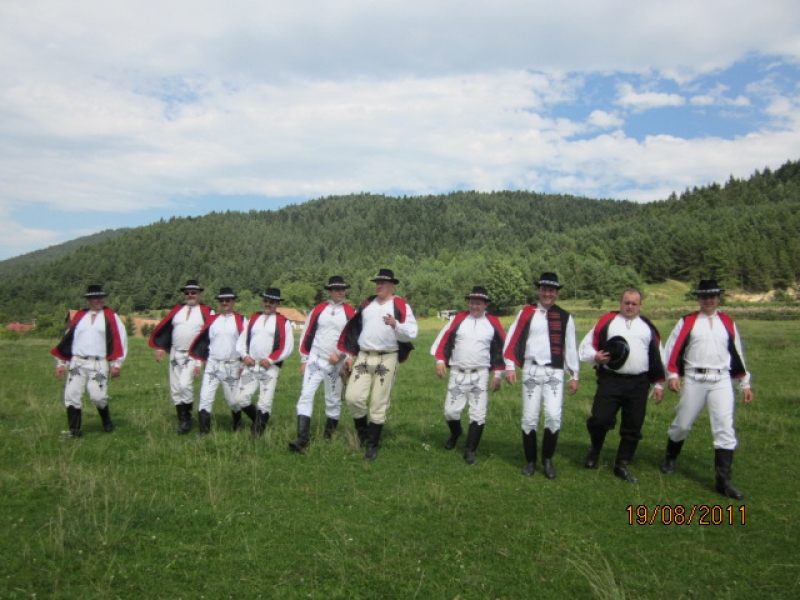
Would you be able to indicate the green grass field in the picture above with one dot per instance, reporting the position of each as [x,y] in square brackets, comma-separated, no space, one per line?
[144,513]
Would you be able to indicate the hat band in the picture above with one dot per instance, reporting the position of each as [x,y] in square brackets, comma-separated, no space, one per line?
[550,283]
[712,292]
[481,296]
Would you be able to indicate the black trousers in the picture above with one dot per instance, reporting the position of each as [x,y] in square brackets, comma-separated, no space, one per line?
[617,393]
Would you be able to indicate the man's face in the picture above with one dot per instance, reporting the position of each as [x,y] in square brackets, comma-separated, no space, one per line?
[547,295]
[270,306]
[96,303]
[477,307]
[192,297]
[337,294]
[226,305]
[630,305]
[708,304]
[384,289]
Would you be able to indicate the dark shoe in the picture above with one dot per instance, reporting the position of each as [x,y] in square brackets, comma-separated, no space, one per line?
[184,418]
[330,427]
[592,456]
[549,468]
[204,422]
[670,456]
[529,469]
[455,433]
[259,426]
[723,460]
[469,457]
[621,471]
[373,441]
[105,417]
[361,430]
[74,418]
[303,429]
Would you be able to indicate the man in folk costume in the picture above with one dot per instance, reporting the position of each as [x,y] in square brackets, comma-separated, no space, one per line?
[264,344]
[625,350]
[322,362]
[216,346]
[470,345]
[174,334]
[705,349]
[94,338]
[379,336]
[541,341]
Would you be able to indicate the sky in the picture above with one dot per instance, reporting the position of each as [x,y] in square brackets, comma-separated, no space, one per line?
[118,114]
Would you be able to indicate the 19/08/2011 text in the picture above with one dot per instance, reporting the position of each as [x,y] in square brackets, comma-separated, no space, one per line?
[702,514]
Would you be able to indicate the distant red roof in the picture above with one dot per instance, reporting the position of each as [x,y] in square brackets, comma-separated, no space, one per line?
[20,326]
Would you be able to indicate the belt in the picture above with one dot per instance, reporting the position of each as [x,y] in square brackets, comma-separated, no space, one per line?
[379,352]
[91,357]
[622,375]
[460,370]
[706,371]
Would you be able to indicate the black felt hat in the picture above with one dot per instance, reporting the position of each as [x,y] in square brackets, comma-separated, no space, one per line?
[478,293]
[192,286]
[618,351]
[550,280]
[95,291]
[385,275]
[272,294]
[336,282]
[708,287]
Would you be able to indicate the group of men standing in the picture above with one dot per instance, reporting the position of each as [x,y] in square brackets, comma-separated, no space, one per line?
[244,355]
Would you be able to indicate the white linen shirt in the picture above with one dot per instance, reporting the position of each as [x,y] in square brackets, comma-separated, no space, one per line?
[537,346]
[638,335]
[262,339]
[222,336]
[330,323]
[90,338]
[377,335]
[473,341]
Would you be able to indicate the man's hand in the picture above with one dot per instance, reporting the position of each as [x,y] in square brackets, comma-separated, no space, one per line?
[748,395]
[602,357]
[658,395]
[441,369]
[115,372]
[511,376]
[496,383]
[573,386]
[675,384]
[60,370]
[159,355]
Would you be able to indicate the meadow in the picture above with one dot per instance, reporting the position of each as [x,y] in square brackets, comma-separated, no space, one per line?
[144,513]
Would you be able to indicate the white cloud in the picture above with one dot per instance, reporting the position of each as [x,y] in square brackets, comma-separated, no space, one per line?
[640,101]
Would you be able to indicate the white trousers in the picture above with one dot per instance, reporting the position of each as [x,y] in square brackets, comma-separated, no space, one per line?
[696,391]
[181,377]
[467,387]
[261,379]
[225,372]
[541,385]
[320,370]
[90,374]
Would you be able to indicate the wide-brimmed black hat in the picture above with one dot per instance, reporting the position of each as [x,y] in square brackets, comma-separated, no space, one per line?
[271,294]
[336,281]
[550,280]
[478,293]
[385,275]
[95,291]
[618,351]
[192,286]
[708,287]
[226,293]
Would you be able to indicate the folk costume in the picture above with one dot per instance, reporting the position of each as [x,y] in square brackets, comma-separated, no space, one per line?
[541,342]
[470,347]
[706,351]
[216,346]
[623,385]
[378,350]
[265,337]
[318,341]
[92,340]
[174,334]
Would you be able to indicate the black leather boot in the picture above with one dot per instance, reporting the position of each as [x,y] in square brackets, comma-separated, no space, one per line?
[622,472]
[184,418]
[250,411]
[236,415]
[361,430]
[105,417]
[259,425]
[548,449]
[373,440]
[529,445]
[723,460]
[330,427]
[473,439]
[74,418]
[303,429]
[455,433]
[670,456]
[204,422]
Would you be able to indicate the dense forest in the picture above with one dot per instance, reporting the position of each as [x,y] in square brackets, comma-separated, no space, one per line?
[743,232]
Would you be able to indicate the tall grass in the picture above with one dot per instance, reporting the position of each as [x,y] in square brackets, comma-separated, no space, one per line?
[143,513]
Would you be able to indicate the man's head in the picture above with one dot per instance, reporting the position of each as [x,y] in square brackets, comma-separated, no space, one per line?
[227,300]
[708,295]
[631,303]
[478,300]
[96,297]
[191,292]
[337,288]
[548,289]
[384,284]
[272,299]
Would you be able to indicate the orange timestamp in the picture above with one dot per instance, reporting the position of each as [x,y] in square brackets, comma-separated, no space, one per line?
[677,514]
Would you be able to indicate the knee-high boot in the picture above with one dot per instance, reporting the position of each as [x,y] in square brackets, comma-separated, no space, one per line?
[204,422]
[74,418]
[473,439]
[184,411]
[259,425]
[723,460]
[548,449]
[530,447]
[105,417]
[330,427]
[361,429]
[455,433]
[303,434]
[373,440]
[671,455]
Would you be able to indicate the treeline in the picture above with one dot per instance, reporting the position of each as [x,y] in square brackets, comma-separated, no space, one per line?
[744,233]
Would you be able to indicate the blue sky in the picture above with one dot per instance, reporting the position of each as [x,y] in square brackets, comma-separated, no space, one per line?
[120,114]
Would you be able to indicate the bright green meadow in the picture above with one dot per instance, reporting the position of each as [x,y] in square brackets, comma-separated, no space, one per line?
[143,513]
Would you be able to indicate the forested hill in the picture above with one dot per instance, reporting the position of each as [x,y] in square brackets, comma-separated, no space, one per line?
[744,233]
